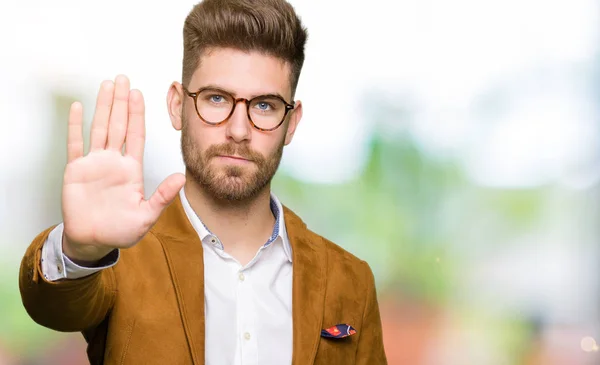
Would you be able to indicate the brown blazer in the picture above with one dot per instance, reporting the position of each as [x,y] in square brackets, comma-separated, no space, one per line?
[149,307]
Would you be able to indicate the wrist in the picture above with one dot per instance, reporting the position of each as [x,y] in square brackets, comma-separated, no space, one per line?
[84,255]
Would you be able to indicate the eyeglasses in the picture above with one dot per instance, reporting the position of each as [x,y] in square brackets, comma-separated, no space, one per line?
[215,106]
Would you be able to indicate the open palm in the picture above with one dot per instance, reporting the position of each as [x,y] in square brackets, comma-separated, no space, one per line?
[103,192]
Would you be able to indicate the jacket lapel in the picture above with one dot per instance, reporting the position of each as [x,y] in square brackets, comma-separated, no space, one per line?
[309,260]
[183,252]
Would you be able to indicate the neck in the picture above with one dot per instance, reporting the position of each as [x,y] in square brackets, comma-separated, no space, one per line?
[242,226]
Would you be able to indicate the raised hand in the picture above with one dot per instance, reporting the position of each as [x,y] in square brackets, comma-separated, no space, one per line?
[103,202]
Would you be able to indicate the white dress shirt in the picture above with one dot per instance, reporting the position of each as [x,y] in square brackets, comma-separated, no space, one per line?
[248,308]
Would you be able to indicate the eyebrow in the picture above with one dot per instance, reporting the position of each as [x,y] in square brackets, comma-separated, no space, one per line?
[218,88]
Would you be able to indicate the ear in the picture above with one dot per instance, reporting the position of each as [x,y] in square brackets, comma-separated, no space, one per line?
[175,104]
[295,117]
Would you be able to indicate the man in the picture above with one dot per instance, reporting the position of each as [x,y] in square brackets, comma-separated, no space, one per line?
[212,268]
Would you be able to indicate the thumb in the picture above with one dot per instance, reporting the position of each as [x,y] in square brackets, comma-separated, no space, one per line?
[164,195]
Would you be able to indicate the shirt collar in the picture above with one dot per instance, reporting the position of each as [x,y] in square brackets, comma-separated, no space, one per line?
[279,230]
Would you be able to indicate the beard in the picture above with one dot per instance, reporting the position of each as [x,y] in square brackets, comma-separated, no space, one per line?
[229,183]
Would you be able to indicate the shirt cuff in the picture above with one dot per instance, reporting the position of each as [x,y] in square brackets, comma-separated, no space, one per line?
[56,265]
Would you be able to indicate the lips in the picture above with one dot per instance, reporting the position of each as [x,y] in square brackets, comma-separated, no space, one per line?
[238,158]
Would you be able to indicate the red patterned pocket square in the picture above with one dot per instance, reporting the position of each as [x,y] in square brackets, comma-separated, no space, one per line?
[338,331]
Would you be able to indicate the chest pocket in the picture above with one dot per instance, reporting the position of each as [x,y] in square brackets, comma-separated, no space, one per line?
[337,350]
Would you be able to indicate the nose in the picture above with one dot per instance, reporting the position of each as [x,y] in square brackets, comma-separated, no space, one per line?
[238,127]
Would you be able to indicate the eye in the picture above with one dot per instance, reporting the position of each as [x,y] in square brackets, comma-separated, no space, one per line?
[263,105]
[267,105]
[216,98]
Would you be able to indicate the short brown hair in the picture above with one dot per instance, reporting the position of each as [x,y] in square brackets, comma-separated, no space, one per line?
[268,26]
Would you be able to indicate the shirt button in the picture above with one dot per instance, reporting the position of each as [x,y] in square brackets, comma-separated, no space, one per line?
[59,268]
[241,276]
[247,336]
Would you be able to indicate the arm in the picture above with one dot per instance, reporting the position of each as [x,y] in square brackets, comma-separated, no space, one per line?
[103,208]
[370,349]
[64,305]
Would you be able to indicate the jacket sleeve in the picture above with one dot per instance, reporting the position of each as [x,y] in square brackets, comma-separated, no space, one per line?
[56,265]
[370,349]
[64,305]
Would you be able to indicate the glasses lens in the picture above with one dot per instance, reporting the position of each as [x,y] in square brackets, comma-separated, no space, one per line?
[214,106]
[267,112]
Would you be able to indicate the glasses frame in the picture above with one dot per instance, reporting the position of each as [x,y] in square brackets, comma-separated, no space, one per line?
[248,102]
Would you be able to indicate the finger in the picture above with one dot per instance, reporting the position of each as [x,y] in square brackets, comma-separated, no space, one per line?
[164,195]
[136,128]
[74,132]
[99,129]
[117,123]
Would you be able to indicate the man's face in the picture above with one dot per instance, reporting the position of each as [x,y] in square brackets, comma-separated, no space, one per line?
[234,161]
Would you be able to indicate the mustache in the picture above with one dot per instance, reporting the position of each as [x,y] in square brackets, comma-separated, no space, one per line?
[230,149]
